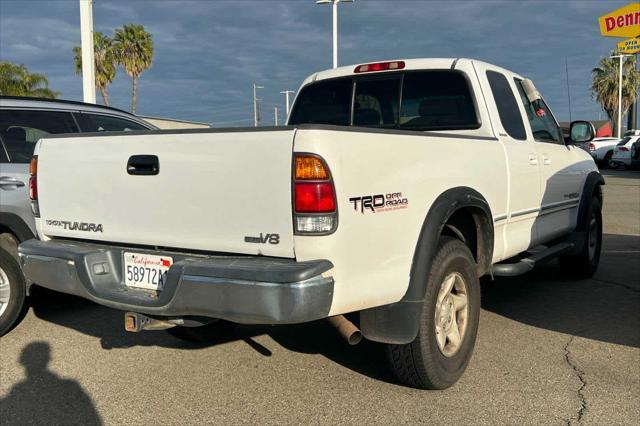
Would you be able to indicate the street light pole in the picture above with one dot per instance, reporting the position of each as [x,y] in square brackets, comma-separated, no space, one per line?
[621,58]
[286,99]
[256,113]
[334,4]
[86,42]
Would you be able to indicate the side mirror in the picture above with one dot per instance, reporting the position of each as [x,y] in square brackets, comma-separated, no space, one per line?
[581,131]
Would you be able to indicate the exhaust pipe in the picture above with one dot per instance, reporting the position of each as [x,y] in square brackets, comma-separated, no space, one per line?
[135,323]
[347,329]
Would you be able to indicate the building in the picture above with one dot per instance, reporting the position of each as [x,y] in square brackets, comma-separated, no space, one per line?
[172,123]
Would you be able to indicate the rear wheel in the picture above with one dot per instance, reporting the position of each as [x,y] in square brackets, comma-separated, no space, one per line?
[606,162]
[12,292]
[448,325]
[211,332]
[585,263]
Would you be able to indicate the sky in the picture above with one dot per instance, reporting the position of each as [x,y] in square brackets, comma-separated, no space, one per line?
[209,53]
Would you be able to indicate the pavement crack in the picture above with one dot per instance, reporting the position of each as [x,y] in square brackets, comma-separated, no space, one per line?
[625,286]
[576,419]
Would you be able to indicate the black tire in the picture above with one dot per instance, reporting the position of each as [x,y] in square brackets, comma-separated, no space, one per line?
[211,332]
[607,160]
[421,363]
[14,311]
[584,264]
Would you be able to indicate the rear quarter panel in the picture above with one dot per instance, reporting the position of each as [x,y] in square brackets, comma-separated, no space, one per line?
[373,252]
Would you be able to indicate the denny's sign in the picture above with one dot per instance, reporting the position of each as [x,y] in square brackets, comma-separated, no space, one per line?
[623,22]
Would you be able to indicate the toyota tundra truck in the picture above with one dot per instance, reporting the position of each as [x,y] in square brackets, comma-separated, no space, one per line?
[394,187]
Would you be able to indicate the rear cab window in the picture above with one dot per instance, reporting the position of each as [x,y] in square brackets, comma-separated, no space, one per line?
[411,100]
[20,130]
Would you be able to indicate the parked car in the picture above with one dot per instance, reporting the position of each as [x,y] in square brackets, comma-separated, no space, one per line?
[625,153]
[22,122]
[395,186]
[601,149]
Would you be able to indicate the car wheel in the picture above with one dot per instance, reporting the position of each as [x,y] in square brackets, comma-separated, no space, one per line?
[606,162]
[12,293]
[448,324]
[585,263]
[211,332]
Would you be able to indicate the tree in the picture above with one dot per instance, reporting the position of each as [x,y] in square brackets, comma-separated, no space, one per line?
[105,63]
[605,85]
[16,80]
[134,51]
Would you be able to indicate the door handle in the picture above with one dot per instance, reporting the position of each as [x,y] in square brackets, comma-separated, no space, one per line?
[145,165]
[9,181]
[533,159]
[546,160]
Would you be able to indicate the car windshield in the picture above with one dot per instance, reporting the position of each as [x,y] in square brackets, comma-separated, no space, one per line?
[430,100]
[624,141]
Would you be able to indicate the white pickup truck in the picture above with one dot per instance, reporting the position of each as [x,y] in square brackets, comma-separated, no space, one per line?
[394,187]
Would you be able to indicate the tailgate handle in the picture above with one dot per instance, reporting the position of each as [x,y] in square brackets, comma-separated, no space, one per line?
[143,165]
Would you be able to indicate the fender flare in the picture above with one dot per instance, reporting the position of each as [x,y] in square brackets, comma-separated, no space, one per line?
[16,225]
[398,323]
[592,186]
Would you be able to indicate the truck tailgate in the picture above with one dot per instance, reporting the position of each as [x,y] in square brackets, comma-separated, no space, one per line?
[214,191]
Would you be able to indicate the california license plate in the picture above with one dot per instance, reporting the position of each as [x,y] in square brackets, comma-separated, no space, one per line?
[146,271]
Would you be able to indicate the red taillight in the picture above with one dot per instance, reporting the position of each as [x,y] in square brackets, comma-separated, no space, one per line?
[592,147]
[380,66]
[33,188]
[623,148]
[315,198]
[33,178]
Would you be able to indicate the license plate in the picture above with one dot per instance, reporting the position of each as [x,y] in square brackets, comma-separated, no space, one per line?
[146,271]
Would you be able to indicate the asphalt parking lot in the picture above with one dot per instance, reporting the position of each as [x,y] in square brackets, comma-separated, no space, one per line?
[549,351]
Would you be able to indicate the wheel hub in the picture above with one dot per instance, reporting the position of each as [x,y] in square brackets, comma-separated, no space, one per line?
[5,291]
[451,314]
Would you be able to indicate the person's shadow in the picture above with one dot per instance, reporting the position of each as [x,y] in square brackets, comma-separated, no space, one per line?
[45,398]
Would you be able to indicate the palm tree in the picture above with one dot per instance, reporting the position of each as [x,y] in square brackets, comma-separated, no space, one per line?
[134,50]
[605,85]
[16,80]
[105,63]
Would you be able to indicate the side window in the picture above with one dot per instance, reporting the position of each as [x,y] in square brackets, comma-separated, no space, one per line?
[376,103]
[326,102]
[21,129]
[507,105]
[106,123]
[543,125]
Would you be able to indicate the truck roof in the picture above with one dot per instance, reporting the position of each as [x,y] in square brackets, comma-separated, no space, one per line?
[409,64]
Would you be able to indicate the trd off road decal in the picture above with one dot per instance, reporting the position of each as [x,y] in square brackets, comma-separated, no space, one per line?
[76,226]
[380,202]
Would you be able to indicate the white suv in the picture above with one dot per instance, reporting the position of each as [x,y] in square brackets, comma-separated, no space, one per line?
[626,152]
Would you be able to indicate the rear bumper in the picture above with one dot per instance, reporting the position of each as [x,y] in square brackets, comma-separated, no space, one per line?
[249,290]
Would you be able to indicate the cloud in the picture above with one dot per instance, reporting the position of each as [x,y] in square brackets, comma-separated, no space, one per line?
[209,53]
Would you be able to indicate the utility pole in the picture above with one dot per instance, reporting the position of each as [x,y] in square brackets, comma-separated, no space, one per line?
[566,68]
[86,42]
[632,117]
[621,58]
[286,99]
[334,3]
[276,115]
[256,112]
